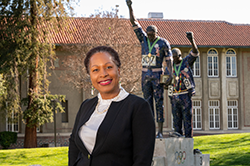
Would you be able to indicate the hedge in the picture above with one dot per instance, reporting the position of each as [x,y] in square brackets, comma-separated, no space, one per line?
[7,138]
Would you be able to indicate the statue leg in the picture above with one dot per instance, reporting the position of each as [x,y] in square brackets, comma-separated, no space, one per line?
[188,115]
[160,132]
[158,95]
[177,114]
[147,91]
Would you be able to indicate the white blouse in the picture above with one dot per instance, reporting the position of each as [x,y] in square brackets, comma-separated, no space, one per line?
[88,131]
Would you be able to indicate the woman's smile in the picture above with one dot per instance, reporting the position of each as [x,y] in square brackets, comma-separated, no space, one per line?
[105,82]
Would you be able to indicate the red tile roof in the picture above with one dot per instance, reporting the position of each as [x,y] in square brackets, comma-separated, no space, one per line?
[93,30]
[207,33]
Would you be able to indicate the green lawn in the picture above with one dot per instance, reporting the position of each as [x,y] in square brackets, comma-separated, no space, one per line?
[42,156]
[224,150]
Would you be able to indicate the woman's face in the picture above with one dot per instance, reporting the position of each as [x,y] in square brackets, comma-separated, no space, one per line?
[104,74]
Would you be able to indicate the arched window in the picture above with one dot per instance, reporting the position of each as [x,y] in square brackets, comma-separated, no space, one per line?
[231,68]
[212,63]
[196,66]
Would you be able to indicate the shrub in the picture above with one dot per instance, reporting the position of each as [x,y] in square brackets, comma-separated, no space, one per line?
[7,138]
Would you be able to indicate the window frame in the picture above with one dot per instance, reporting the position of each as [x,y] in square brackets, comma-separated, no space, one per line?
[231,53]
[214,108]
[195,71]
[195,115]
[65,114]
[12,126]
[196,63]
[212,53]
[232,108]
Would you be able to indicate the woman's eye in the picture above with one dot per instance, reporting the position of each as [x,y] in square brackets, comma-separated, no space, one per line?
[94,70]
[109,67]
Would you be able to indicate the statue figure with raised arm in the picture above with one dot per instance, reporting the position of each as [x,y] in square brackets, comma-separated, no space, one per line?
[183,88]
[153,51]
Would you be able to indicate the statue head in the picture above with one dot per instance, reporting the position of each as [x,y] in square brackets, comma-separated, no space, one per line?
[176,52]
[151,32]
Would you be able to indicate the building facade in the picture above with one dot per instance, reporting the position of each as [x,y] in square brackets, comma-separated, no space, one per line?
[222,74]
[220,102]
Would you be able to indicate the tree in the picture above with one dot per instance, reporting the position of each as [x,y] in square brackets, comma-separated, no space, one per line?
[103,28]
[2,88]
[26,49]
[2,91]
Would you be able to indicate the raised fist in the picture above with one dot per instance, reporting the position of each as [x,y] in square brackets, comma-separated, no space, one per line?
[129,3]
[190,36]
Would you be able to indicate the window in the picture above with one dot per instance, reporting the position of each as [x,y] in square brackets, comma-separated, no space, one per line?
[56,62]
[212,63]
[231,63]
[38,129]
[197,114]
[232,108]
[214,114]
[196,67]
[12,122]
[65,118]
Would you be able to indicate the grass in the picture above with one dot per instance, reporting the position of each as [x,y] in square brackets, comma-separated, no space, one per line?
[224,150]
[42,156]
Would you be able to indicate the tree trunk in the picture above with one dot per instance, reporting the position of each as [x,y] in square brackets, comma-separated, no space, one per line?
[30,138]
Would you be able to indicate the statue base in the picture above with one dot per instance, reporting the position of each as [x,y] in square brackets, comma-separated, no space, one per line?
[176,152]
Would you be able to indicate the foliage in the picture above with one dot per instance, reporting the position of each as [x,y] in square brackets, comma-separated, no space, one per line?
[2,87]
[45,106]
[225,149]
[26,48]
[2,90]
[7,138]
[103,28]
[13,50]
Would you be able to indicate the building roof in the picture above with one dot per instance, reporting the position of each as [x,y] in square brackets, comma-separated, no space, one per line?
[96,30]
[206,33]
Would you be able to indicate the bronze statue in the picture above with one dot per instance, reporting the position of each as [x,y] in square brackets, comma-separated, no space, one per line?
[153,51]
[183,88]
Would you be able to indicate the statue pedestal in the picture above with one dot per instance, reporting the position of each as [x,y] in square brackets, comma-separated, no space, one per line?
[176,152]
[201,160]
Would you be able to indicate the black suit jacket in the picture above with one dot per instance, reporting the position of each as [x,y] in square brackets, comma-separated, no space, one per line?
[126,136]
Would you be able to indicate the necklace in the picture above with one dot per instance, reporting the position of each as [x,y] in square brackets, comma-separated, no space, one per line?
[178,76]
[151,47]
[96,108]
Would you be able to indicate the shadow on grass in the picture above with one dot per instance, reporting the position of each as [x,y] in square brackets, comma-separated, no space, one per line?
[236,141]
[231,159]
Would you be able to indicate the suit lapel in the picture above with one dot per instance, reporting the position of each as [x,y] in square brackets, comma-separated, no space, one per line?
[88,109]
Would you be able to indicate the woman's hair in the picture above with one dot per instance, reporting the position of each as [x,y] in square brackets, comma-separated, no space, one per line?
[106,49]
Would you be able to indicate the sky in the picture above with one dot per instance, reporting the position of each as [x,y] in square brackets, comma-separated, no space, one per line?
[232,11]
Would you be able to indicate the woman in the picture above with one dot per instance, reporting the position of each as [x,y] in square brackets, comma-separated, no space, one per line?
[114,128]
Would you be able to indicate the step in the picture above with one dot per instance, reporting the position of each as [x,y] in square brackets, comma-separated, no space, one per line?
[202,160]
[158,161]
